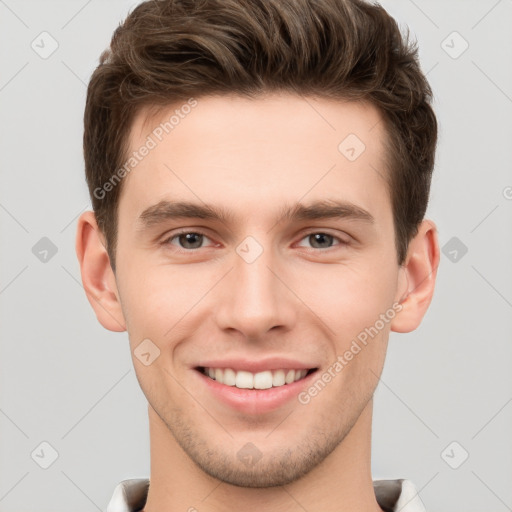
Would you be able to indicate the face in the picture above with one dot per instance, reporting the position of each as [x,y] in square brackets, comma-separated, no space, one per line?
[282,257]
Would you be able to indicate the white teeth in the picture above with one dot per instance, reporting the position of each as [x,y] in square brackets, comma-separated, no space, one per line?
[261,380]
[244,380]
[278,378]
[229,377]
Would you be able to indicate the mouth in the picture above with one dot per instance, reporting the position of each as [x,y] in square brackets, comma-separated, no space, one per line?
[262,380]
[254,386]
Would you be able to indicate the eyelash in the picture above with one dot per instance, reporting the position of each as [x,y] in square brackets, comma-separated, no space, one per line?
[167,241]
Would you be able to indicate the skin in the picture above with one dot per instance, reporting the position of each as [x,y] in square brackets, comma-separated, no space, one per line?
[300,298]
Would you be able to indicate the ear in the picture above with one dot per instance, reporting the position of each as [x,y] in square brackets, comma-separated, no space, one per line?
[418,277]
[98,277]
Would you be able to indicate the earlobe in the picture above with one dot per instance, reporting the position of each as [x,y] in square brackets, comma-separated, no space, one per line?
[419,275]
[97,276]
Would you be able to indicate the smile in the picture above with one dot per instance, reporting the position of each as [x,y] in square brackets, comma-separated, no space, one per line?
[262,380]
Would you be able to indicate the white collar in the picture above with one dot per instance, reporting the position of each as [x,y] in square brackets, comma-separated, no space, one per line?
[392,496]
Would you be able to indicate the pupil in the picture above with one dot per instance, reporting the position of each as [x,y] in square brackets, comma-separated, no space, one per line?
[188,239]
[319,237]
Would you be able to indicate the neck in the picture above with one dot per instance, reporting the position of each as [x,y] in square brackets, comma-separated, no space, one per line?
[341,483]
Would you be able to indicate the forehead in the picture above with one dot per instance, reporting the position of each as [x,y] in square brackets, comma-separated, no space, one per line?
[265,115]
[247,148]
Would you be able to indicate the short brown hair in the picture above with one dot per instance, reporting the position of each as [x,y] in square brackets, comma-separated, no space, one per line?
[170,50]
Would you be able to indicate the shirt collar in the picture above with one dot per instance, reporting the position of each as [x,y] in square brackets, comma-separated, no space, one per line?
[392,496]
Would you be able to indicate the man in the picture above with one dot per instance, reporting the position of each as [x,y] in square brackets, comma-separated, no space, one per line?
[259,172]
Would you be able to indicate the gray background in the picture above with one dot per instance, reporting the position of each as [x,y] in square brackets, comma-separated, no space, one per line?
[68,382]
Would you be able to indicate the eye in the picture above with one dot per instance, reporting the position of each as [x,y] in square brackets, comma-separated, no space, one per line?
[187,240]
[320,240]
[192,240]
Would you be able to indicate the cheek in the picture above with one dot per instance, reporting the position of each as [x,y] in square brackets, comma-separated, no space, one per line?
[158,300]
[348,298]
[154,306]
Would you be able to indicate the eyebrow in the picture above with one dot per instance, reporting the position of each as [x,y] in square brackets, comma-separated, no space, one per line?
[318,210]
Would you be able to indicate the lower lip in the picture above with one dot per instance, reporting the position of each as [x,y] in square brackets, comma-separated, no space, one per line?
[255,401]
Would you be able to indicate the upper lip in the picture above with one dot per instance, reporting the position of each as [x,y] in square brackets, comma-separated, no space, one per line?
[273,363]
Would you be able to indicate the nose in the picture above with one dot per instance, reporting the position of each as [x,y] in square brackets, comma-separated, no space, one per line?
[255,297]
